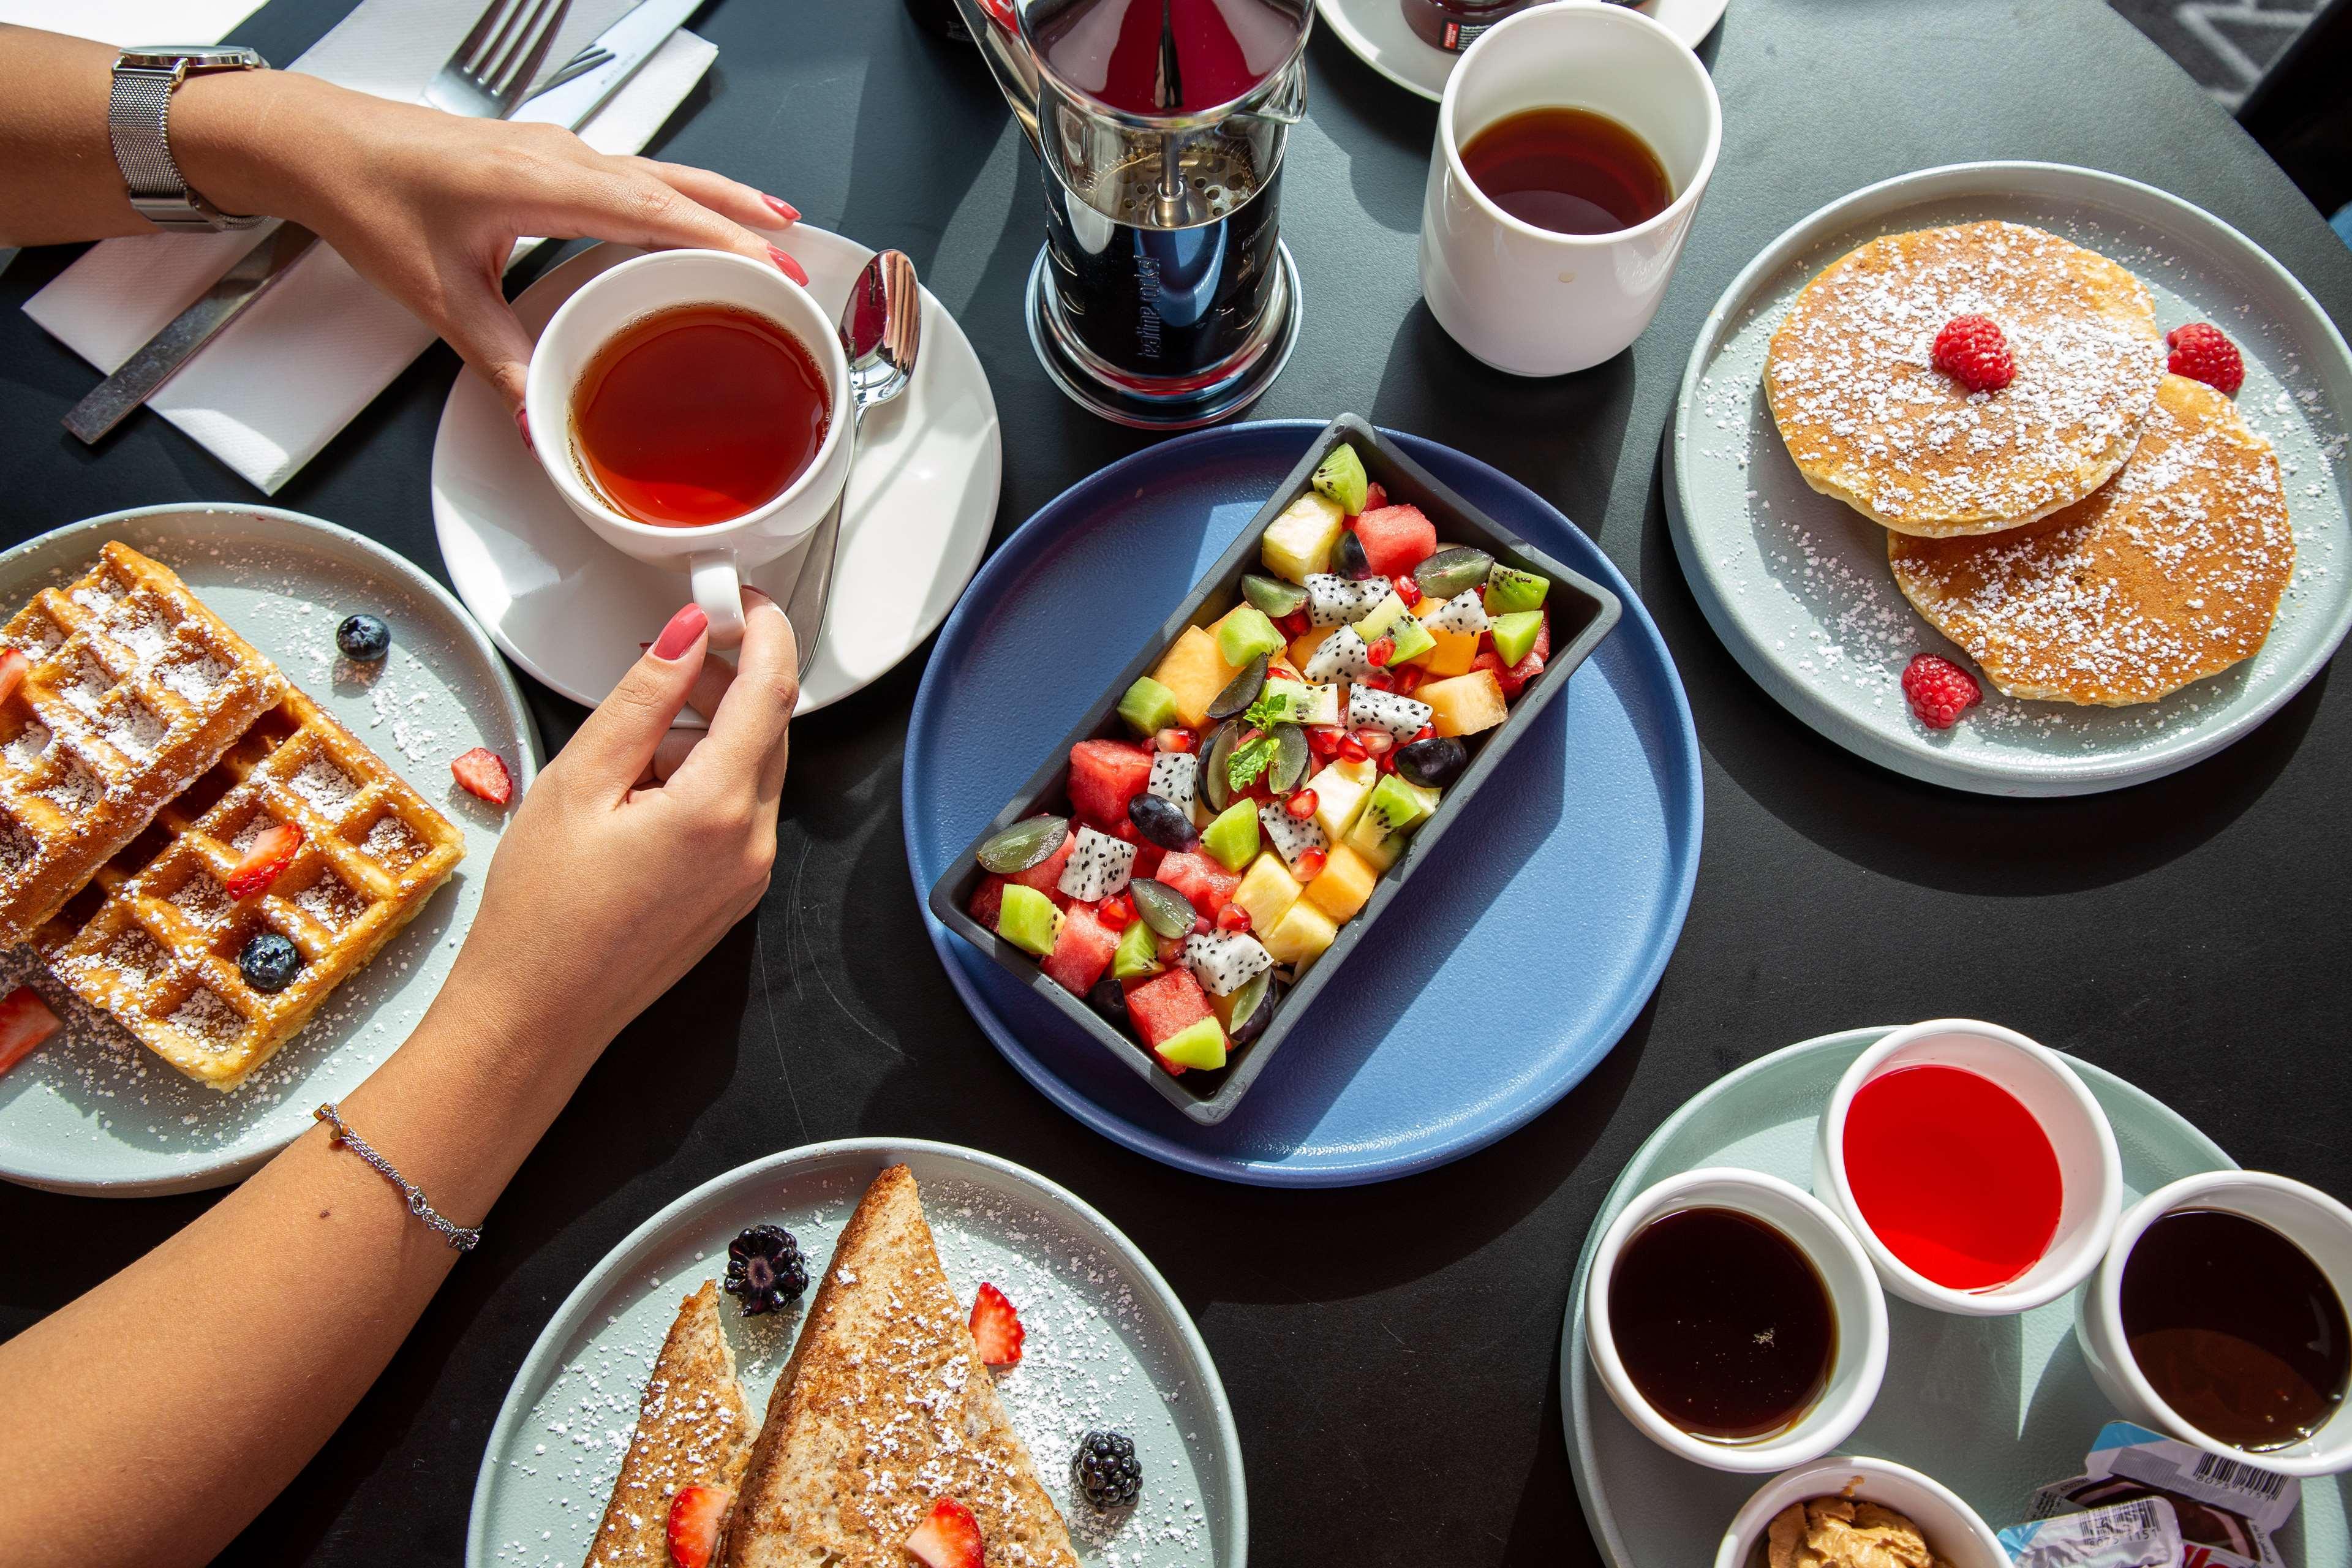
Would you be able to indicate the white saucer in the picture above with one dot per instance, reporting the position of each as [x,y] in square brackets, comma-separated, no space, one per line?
[1376,31]
[571,611]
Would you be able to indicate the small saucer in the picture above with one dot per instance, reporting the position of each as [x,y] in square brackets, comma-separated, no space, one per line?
[571,611]
[1376,31]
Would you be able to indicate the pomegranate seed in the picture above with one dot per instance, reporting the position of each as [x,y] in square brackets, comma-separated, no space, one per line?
[1408,590]
[1294,625]
[1378,680]
[1172,740]
[1324,741]
[1169,949]
[1233,917]
[1408,680]
[1117,912]
[1310,865]
[1201,926]
[1426,732]
[1376,496]
[1352,749]
[1301,805]
[1383,650]
[1376,742]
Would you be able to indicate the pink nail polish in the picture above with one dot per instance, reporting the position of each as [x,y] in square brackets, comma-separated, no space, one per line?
[783,209]
[680,635]
[522,423]
[788,266]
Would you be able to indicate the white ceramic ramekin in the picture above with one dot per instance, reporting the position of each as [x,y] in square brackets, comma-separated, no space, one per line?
[1953,1528]
[1854,1298]
[2089,1168]
[2304,1215]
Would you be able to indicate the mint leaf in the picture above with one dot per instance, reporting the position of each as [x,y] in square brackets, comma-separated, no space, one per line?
[1272,708]
[1248,760]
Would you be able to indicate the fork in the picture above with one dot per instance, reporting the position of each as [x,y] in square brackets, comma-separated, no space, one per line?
[490,71]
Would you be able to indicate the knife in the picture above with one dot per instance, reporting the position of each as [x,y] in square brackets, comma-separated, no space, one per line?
[629,43]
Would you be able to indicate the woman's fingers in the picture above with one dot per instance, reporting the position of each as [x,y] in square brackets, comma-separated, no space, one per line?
[639,207]
[729,198]
[481,326]
[615,746]
[745,747]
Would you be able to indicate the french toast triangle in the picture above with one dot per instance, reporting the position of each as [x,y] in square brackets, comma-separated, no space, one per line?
[692,1430]
[884,1408]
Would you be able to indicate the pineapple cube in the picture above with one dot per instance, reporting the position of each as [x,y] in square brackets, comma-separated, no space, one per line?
[1466,704]
[1455,650]
[1300,936]
[1194,671]
[1345,884]
[1267,891]
[1341,791]
[1298,543]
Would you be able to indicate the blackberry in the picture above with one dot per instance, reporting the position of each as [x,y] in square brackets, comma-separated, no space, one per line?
[764,1269]
[270,962]
[1108,1470]
[363,638]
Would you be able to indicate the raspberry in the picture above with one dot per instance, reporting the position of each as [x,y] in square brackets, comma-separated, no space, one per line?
[1939,691]
[2202,351]
[1972,351]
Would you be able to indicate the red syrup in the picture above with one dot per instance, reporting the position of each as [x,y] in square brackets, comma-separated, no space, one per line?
[1953,1175]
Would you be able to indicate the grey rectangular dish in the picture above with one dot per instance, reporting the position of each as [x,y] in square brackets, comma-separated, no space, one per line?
[1581,613]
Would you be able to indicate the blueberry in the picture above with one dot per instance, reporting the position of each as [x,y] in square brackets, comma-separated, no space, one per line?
[270,962]
[363,637]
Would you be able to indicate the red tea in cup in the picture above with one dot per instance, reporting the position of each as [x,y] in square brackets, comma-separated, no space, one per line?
[697,415]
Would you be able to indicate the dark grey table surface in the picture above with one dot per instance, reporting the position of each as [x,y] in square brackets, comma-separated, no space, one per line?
[1391,1351]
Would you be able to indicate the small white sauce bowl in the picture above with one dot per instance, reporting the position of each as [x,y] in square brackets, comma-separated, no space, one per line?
[1953,1528]
[1860,1312]
[2304,1215]
[2089,1169]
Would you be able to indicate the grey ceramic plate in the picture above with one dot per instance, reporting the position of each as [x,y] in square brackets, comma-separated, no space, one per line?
[1797,584]
[1107,1345]
[94,1111]
[1991,1407]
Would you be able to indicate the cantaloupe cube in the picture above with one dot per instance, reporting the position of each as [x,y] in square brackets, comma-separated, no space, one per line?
[1466,704]
[1303,646]
[1300,936]
[1455,650]
[1298,543]
[1340,789]
[1267,891]
[1344,885]
[1194,671]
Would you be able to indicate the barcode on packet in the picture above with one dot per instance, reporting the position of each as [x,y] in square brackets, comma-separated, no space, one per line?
[2239,1478]
[2131,1520]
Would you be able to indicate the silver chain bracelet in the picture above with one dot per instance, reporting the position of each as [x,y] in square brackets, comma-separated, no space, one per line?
[459,1236]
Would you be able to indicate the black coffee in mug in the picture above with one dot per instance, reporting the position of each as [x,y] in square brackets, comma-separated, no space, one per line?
[1571,171]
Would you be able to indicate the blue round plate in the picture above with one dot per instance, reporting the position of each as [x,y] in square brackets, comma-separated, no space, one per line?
[1582,855]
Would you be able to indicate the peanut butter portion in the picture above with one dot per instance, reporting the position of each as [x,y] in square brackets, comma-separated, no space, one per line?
[1838,1533]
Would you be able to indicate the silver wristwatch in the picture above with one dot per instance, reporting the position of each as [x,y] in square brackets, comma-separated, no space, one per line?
[138,119]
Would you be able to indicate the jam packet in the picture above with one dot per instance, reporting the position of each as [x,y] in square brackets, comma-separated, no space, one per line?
[2226,1510]
[2142,1534]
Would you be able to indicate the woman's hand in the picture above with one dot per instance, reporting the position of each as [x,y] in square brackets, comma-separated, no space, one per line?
[640,846]
[427,204]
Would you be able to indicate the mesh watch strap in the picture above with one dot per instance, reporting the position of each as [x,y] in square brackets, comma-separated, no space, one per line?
[138,124]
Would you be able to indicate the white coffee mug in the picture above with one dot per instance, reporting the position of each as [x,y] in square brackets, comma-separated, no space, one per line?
[714,555]
[1528,300]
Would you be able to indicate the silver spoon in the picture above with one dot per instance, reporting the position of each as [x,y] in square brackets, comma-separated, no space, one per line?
[881,332]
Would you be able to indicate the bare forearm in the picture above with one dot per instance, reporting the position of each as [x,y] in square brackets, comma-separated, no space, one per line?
[176,1399]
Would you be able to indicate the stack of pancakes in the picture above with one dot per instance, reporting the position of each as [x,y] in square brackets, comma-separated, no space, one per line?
[2095,532]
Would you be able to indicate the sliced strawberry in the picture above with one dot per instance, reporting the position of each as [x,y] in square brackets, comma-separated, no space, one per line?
[271,851]
[13,666]
[25,1021]
[481,772]
[696,1514]
[996,1328]
[949,1537]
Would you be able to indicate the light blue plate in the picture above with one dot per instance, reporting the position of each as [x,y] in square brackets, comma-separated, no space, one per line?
[1572,879]
[1992,1407]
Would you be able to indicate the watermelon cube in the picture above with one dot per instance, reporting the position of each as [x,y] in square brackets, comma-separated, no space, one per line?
[987,899]
[1146,859]
[1081,950]
[1045,875]
[1209,885]
[1163,1007]
[1104,776]
[1396,539]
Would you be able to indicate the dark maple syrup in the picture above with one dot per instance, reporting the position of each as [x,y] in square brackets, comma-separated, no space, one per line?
[1571,171]
[1953,1173]
[1723,1324]
[2235,1328]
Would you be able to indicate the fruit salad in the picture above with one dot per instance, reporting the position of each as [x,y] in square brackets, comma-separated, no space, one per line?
[1277,761]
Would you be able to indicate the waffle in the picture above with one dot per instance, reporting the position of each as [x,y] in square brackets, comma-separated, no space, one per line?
[154,938]
[2171,573]
[133,690]
[1867,417]
[692,1430]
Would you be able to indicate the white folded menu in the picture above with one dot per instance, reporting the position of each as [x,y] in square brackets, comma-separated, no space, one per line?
[278,382]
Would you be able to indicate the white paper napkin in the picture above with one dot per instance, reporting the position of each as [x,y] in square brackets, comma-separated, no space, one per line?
[129,22]
[278,382]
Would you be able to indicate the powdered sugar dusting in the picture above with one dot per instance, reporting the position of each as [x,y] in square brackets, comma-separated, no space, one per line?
[205,1018]
[332,901]
[325,786]
[196,678]
[26,746]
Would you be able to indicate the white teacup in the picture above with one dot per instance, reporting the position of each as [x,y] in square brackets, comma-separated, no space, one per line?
[713,555]
[1528,300]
